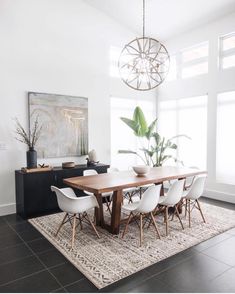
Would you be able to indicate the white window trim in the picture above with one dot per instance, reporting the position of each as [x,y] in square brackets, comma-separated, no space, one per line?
[225,53]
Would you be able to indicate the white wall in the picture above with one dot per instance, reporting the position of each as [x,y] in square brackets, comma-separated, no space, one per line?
[216,81]
[55,46]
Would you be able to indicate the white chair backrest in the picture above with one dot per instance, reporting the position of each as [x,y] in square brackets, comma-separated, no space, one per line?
[69,202]
[90,172]
[189,180]
[175,193]
[149,199]
[112,170]
[197,188]
[65,198]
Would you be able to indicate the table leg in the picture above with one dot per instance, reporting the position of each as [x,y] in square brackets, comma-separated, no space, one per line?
[116,212]
[99,213]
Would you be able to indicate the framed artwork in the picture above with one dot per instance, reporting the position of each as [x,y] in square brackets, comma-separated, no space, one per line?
[64,121]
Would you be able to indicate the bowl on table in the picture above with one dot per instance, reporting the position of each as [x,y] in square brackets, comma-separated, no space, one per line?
[141,170]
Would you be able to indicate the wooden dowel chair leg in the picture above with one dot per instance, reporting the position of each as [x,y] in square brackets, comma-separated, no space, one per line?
[141,229]
[93,226]
[166,220]
[189,213]
[126,226]
[178,215]
[186,207]
[60,226]
[199,207]
[155,225]
[80,220]
[108,205]
[74,229]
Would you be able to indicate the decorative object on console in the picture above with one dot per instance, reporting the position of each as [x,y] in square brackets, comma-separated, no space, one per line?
[68,164]
[37,169]
[144,62]
[92,158]
[29,139]
[65,124]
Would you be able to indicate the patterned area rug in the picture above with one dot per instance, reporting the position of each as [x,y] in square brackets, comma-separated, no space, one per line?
[108,259]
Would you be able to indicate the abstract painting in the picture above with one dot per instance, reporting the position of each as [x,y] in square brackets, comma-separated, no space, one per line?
[64,121]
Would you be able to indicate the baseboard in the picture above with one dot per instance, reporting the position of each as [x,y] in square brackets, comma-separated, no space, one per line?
[217,195]
[7,209]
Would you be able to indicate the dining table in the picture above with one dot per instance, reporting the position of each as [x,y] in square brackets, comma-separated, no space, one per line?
[116,182]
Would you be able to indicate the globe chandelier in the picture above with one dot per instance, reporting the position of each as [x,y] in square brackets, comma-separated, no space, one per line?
[144,62]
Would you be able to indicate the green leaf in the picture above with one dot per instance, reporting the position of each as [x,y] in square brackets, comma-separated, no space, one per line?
[139,119]
[149,152]
[150,129]
[157,138]
[131,123]
[127,152]
[173,146]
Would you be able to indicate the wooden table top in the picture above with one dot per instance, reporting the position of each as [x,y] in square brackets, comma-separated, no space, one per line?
[108,182]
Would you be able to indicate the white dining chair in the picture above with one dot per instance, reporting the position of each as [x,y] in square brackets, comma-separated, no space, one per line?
[188,181]
[191,197]
[75,208]
[172,199]
[107,195]
[128,193]
[142,208]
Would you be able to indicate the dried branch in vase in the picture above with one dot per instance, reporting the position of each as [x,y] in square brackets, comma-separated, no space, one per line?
[32,137]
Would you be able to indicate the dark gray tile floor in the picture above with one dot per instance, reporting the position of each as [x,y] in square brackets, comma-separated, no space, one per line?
[29,263]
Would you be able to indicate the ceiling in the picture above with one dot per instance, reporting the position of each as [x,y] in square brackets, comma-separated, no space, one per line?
[164,18]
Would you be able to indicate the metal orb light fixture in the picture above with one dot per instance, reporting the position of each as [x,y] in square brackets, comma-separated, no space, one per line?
[144,62]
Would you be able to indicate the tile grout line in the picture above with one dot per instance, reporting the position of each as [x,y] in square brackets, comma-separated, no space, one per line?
[229,237]
[70,284]
[171,266]
[221,274]
[18,279]
[217,260]
[35,255]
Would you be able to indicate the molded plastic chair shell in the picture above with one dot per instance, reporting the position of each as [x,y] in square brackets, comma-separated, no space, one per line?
[112,170]
[89,172]
[93,172]
[196,189]
[174,194]
[148,202]
[69,202]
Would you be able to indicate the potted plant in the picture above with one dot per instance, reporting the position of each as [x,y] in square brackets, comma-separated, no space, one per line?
[30,139]
[156,148]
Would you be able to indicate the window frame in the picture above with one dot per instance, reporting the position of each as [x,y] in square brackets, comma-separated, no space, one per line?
[225,53]
[195,61]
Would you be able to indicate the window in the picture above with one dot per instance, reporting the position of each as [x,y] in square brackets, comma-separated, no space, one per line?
[225,159]
[122,137]
[186,116]
[189,62]
[194,61]
[227,51]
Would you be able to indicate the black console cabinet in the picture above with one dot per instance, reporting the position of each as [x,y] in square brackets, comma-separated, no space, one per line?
[33,193]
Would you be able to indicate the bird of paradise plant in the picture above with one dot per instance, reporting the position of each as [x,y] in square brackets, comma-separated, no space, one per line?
[155,149]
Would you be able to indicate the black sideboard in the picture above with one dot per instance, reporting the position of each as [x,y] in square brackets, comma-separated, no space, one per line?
[33,193]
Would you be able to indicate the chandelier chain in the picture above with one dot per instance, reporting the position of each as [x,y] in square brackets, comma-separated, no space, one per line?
[143,18]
